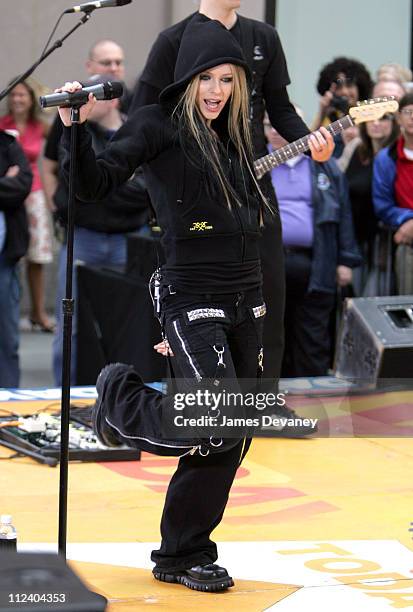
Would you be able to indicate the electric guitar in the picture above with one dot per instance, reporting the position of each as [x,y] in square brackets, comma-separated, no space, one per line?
[369,110]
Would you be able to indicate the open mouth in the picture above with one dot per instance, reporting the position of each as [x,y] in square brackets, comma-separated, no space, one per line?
[212,105]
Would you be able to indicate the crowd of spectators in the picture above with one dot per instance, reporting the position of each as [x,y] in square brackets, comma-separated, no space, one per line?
[335,215]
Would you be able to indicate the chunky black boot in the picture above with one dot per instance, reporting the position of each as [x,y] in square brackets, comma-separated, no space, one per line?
[104,432]
[209,578]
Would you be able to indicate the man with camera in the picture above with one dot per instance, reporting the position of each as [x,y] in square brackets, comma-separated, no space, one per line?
[341,84]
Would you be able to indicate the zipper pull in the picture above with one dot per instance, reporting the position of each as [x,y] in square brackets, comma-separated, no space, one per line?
[157,291]
[261,359]
[220,364]
[220,353]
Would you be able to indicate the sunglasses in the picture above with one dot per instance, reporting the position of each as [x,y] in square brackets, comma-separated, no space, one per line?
[347,81]
[387,117]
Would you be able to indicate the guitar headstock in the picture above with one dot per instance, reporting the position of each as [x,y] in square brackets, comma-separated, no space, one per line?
[373,109]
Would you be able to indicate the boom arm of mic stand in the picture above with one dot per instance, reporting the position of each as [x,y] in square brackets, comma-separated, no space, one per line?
[56,45]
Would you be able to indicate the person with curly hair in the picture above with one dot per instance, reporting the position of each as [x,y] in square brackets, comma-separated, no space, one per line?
[341,83]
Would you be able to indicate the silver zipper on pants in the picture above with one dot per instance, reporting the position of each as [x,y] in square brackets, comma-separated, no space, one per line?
[185,349]
[192,448]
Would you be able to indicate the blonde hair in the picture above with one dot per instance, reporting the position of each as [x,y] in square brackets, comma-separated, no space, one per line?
[191,123]
[34,89]
[394,72]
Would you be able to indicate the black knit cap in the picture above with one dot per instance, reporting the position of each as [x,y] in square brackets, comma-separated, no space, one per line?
[205,43]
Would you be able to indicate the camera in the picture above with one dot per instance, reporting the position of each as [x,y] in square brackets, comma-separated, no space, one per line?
[340,103]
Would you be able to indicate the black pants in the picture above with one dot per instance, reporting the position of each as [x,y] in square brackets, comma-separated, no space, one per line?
[307,320]
[201,332]
[272,265]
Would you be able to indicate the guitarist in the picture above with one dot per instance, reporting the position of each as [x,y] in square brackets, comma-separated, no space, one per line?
[320,252]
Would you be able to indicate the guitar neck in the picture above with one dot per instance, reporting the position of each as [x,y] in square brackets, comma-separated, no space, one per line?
[280,156]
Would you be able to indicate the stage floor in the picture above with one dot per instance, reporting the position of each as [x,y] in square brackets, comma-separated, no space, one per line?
[311,524]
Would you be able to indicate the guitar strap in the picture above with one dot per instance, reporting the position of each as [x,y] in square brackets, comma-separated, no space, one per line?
[247,40]
[247,44]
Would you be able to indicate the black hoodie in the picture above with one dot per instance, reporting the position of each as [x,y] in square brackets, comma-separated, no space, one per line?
[13,192]
[203,41]
[209,248]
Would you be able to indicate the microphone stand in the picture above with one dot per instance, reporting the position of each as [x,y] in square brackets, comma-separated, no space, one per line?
[68,308]
[68,302]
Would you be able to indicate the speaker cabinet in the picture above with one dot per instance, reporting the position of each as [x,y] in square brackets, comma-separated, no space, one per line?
[116,322]
[376,338]
[36,582]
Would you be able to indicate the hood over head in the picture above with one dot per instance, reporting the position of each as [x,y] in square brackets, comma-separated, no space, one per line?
[205,43]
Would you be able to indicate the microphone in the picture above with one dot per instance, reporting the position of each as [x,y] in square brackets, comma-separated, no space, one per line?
[91,6]
[102,91]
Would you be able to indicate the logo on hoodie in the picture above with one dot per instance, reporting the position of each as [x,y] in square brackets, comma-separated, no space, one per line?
[200,226]
[258,55]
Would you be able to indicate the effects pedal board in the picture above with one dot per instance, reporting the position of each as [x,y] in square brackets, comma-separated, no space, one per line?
[38,436]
